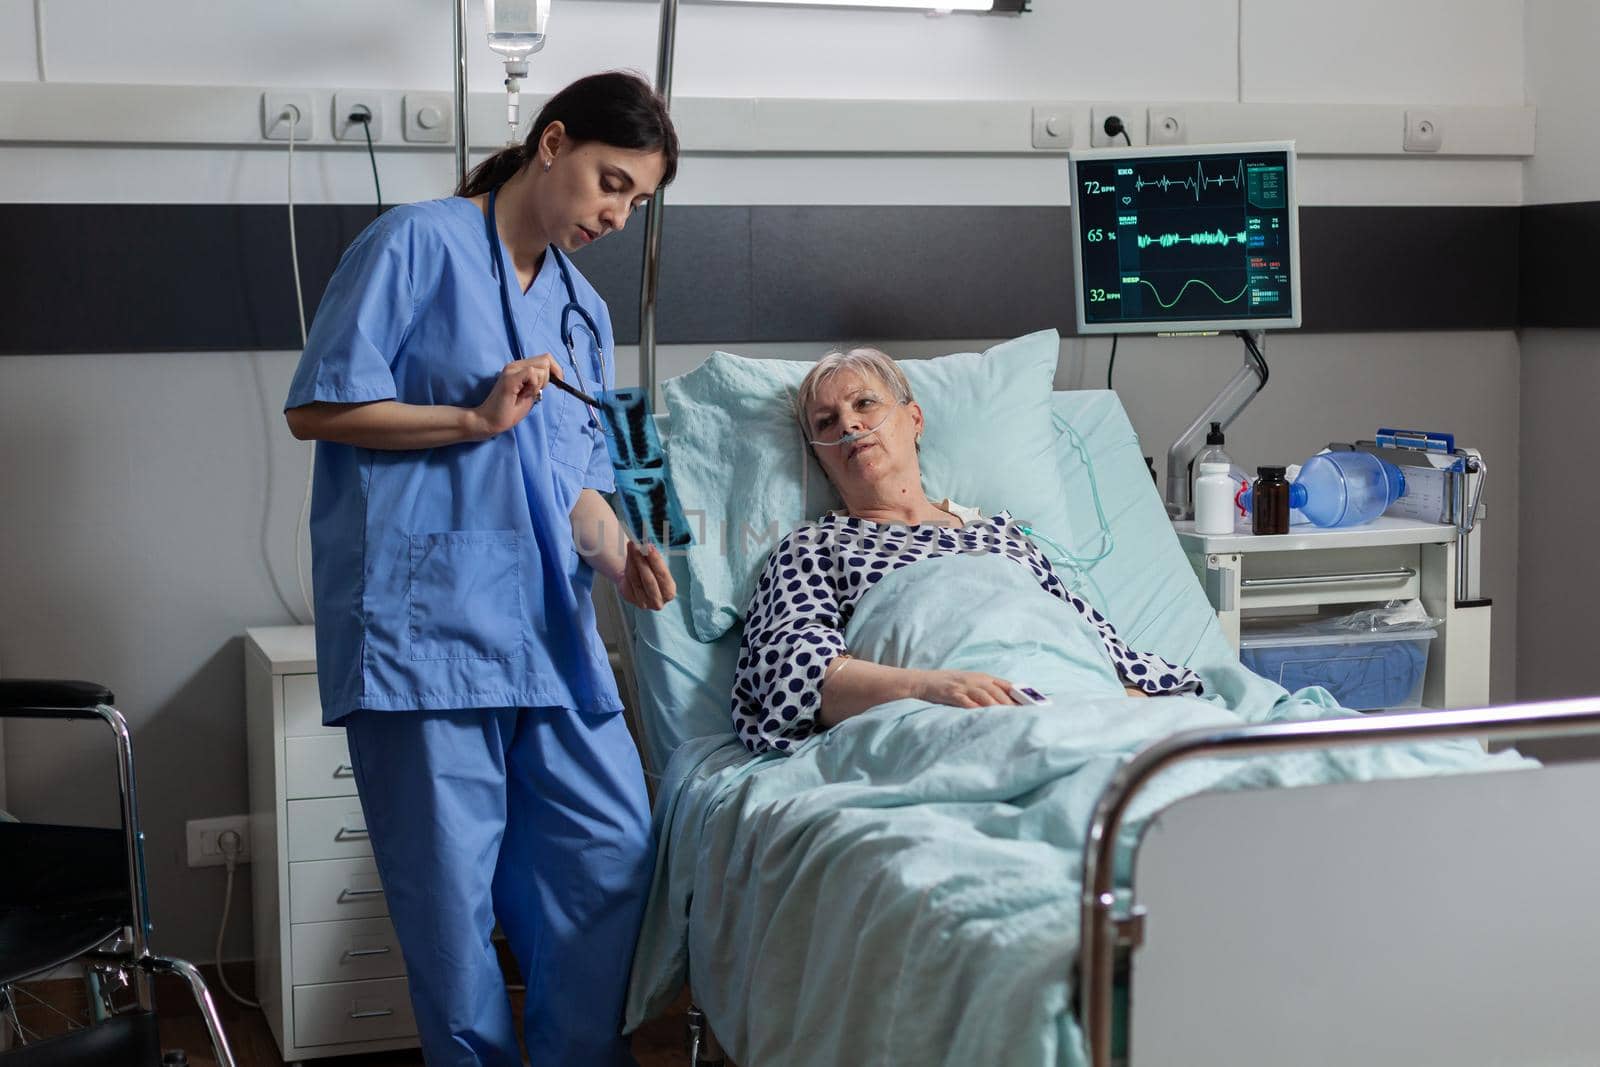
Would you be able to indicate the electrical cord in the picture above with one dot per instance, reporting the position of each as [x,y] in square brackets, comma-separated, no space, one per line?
[228,842]
[364,117]
[292,114]
[1255,353]
[1114,127]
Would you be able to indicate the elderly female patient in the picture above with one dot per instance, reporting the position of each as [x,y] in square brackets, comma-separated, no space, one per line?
[795,674]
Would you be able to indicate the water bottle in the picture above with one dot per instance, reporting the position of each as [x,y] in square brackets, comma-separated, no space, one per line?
[1212,453]
[1346,488]
[1214,491]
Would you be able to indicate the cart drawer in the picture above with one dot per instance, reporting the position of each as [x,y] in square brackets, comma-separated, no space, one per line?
[318,767]
[346,950]
[329,829]
[302,708]
[353,1011]
[335,889]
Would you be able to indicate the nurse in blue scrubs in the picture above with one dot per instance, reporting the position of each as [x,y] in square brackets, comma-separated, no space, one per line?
[456,527]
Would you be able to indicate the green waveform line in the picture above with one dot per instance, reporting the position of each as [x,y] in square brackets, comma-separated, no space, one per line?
[1193,281]
[1167,240]
[1200,181]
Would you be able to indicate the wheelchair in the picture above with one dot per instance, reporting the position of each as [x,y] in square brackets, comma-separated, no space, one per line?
[75,896]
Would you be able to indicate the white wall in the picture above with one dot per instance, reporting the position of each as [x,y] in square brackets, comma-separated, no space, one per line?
[1557,570]
[1563,80]
[151,500]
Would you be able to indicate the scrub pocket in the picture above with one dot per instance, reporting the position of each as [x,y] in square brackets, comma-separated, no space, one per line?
[573,440]
[465,599]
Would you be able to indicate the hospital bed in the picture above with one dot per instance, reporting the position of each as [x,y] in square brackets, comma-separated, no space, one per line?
[1420,919]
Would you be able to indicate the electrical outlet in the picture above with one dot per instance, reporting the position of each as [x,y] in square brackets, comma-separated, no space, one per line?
[1424,132]
[1168,126]
[429,117]
[1052,126]
[1133,120]
[348,103]
[204,835]
[275,126]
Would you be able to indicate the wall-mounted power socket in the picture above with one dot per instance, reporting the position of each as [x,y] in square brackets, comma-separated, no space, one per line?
[1168,125]
[1052,126]
[1424,131]
[348,102]
[204,835]
[429,117]
[277,107]
[1133,120]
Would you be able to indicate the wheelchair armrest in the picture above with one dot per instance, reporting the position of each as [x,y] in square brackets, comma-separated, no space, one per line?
[45,698]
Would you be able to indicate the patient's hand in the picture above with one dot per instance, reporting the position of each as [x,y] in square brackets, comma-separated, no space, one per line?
[963,689]
[1131,691]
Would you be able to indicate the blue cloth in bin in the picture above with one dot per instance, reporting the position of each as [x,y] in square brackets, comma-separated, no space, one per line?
[1365,676]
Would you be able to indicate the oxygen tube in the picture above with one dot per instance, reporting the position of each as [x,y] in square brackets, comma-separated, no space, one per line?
[852,438]
[1082,567]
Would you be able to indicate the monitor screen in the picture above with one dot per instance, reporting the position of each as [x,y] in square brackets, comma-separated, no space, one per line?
[1186,238]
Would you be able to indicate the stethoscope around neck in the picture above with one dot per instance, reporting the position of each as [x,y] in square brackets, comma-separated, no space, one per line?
[568,327]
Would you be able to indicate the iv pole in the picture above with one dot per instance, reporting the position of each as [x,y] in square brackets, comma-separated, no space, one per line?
[459,29]
[650,283]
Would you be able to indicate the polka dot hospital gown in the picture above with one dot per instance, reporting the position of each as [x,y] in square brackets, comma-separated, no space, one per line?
[812,583]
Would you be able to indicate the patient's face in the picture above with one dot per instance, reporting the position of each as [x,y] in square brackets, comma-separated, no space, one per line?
[850,403]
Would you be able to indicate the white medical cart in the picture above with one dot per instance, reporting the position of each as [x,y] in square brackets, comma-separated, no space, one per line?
[1388,559]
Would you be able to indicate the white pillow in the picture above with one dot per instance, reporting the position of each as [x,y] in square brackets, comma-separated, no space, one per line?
[745,477]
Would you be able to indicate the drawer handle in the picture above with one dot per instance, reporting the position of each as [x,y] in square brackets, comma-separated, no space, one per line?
[358,953]
[353,894]
[347,834]
[376,1013]
[344,770]
[1401,575]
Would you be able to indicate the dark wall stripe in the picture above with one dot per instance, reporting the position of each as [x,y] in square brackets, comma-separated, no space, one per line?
[146,278]
[1557,254]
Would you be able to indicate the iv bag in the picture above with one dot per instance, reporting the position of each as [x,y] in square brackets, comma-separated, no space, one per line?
[516,27]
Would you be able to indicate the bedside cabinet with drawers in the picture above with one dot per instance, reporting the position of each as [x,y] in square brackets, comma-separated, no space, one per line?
[328,970]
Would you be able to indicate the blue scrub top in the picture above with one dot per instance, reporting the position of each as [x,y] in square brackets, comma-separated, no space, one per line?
[447,577]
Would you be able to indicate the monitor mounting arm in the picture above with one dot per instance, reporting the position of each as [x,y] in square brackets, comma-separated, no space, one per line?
[1224,408]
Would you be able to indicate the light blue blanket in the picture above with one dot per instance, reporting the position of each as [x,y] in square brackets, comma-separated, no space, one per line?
[904,888]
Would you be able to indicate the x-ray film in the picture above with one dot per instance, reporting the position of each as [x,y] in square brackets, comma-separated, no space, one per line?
[652,507]
[648,501]
[631,431]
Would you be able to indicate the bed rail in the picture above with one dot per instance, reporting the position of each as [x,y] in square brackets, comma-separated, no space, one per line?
[1103,930]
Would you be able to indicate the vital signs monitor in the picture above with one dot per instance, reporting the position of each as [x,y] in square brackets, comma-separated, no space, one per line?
[1186,238]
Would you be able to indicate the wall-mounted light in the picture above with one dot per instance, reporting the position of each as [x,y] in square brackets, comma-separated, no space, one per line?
[1009,7]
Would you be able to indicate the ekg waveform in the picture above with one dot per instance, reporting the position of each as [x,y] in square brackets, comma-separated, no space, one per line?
[1196,184]
[1167,240]
[1167,304]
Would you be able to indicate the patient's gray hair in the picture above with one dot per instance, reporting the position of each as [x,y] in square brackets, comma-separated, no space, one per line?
[868,362]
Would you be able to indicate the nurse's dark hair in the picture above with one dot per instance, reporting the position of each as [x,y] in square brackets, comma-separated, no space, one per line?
[617,108]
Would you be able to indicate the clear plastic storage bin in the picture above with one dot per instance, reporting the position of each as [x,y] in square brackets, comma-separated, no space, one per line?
[1363,671]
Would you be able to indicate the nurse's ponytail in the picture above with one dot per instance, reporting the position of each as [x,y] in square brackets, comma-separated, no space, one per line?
[617,108]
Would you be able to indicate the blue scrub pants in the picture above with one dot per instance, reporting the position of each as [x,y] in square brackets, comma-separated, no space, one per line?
[537,817]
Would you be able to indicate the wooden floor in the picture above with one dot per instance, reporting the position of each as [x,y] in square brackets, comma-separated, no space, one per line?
[659,1043]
